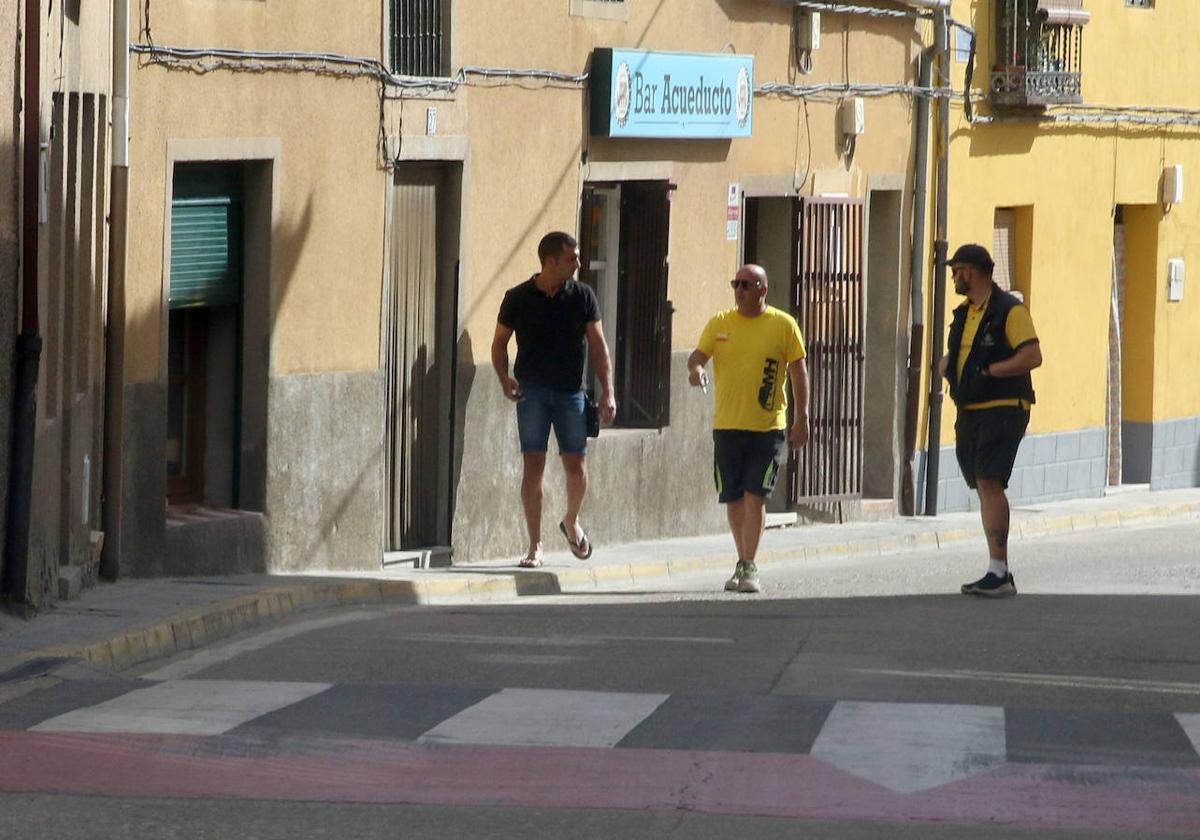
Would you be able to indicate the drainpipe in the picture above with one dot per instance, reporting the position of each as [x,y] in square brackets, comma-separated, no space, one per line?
[114,350]
[14,585]
[908,489]
[933,439]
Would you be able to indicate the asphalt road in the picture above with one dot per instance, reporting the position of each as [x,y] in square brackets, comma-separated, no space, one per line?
[856,698]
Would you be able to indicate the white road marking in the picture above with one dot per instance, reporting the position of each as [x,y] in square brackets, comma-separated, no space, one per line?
[1054,680]
[908,747]
[184,707]
[555,641]
[523,659]
[547,718]
[1191,727]
[197,662]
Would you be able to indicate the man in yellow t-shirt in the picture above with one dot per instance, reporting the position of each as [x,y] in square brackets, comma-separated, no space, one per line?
[751,346]
[992,347]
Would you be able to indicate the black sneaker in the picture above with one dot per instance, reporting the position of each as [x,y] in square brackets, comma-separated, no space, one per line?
[991,586]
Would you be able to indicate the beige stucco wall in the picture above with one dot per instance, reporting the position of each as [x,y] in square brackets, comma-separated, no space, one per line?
[352,27]
[326,248]
[9,138]
[526,142]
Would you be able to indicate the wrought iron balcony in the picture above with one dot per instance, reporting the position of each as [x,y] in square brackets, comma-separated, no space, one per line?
[1039,45]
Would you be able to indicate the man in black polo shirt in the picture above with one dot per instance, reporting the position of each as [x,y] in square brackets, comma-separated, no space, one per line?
[992,347]
[555,318]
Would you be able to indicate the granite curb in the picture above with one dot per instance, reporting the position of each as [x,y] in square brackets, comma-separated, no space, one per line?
[198,626]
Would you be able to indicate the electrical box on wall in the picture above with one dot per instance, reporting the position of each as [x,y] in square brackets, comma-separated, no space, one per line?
[1175,275]
[1173,184]
[854,117]
[808,31]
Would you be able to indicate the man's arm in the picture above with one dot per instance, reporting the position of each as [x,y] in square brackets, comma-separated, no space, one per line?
[500,362]
[696,363]
[1027,357]
[602,365]
[798,434]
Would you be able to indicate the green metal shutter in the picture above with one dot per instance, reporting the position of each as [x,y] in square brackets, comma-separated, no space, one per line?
[205,252]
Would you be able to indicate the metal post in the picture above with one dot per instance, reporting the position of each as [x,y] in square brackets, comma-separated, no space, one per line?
[933,441]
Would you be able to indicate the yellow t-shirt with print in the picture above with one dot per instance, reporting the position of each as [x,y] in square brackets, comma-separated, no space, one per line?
[1018,329]
[750,359]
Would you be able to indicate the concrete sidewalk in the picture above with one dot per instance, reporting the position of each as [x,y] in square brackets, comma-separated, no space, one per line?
[118,625]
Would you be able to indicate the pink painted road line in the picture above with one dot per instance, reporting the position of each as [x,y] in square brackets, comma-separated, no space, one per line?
[768,784]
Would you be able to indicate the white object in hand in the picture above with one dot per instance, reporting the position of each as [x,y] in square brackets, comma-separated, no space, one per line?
[704,381]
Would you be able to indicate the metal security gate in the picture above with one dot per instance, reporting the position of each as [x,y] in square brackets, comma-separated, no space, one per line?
[414,353]
[827,300]
[642,357]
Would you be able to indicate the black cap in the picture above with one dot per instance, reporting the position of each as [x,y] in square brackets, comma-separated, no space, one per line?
[975,255]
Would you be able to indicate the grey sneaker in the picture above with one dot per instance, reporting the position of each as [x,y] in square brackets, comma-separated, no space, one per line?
[734,582]
[991,586]
[749,581]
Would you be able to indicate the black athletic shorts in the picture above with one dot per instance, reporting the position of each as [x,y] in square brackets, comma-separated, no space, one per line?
[986,442]
[747,462]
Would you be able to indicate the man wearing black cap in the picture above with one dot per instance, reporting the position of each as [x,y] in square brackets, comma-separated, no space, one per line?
[992,347]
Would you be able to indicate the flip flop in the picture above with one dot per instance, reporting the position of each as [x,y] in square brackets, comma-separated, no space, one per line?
[582,549]
[531,561]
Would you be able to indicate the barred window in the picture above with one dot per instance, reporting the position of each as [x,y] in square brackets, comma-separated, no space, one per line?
[1141,4]
[418,42]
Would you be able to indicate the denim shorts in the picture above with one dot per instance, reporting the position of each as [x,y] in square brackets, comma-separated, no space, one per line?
[540,408]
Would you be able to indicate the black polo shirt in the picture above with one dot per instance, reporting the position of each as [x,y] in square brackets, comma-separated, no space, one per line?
[551,340]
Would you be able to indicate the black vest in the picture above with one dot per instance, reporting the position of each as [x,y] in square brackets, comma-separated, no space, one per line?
[990,345]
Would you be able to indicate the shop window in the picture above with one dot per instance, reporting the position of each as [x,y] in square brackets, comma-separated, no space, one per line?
[623,248]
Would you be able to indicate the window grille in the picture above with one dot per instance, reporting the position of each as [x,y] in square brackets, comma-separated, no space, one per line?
[1140,4]
[417,37]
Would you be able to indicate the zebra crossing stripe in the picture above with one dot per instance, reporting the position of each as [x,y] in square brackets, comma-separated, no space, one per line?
[184,707]
[547,718]
[910,747]
[1191,726]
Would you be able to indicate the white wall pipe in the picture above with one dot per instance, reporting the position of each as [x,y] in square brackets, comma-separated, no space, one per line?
[120,82]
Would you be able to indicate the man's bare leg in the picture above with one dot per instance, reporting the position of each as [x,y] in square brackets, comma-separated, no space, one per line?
[531,498]
[754,521]
[994,511]
[575,467]
[735,513]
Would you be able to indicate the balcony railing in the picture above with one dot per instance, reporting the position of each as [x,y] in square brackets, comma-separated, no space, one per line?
[1039,46]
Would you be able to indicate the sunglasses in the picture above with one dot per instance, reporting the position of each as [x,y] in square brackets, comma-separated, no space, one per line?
[745,284]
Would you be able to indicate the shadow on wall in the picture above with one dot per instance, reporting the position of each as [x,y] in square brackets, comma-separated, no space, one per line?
[271,256]
[464,373]
[9,280]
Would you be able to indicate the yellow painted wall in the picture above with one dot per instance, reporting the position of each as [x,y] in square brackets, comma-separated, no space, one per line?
[327,246]
[1073,176]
